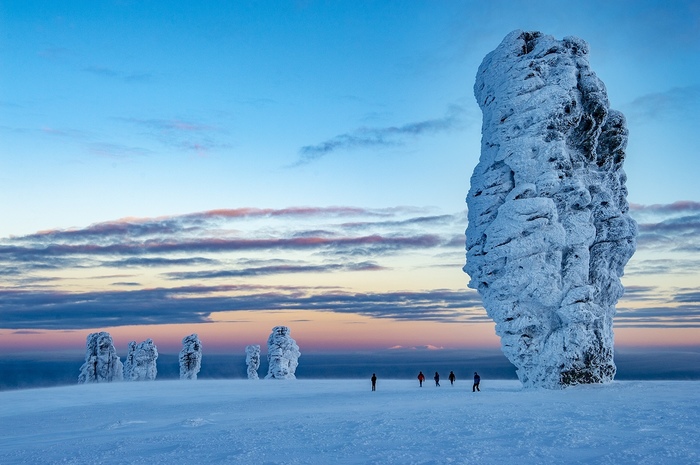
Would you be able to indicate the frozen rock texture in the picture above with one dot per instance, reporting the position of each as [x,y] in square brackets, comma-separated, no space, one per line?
[102,365]
[549,231]
[190,357]
[282,354]
[252,359]
[140,363]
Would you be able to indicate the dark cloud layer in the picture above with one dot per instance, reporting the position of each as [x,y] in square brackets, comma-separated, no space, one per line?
[194,304]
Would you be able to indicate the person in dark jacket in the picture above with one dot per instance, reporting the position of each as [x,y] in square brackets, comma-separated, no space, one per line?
[374,382]
[421,378]
[477,380]
[437,379]
[452,378]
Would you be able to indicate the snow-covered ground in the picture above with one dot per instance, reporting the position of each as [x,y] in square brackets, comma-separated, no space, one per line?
[342,421]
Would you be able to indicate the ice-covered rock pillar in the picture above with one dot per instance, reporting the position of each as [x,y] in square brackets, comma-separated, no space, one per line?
[549,231]
[252,360]
[190,357]
[140,364]
[102,365]
[282,354]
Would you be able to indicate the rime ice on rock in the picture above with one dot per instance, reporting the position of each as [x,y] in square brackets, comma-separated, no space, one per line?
[140,363]
[252,359]
[102,365]
[549,231]
[282,354]
[190,357]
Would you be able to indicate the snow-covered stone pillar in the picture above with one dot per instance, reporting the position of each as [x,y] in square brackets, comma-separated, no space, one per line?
[282,354]
[140,363]
[102,365]
[252,360]
[549,231]
[190,357]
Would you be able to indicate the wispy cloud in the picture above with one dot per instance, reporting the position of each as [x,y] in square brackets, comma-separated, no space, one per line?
[274,270]
[372,137]
[675,102]
[183,134]
[112,73]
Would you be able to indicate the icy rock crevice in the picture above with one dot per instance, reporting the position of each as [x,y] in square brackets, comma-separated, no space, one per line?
[549,231]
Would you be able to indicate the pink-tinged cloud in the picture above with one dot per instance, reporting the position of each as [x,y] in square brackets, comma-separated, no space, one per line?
[682,206]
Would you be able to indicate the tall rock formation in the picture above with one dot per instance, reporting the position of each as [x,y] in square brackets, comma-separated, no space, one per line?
[190,357]
[282,354]
[140,363]
[549,231]
[252,360]
[102,364]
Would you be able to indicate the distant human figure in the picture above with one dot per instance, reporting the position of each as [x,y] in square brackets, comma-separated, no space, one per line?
[437,379]
[374,382]
[421,378]
[452,378]
[477,380]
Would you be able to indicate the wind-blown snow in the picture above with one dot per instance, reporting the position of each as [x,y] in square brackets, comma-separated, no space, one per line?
[343,422]
[549,232]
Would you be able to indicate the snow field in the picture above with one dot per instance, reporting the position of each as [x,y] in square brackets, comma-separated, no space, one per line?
[343,422]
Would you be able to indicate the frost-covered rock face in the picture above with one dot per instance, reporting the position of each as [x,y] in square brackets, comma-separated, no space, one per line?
[252,359]
[140,363]
[282,354]
[102,365]
[549,231]
[190,357]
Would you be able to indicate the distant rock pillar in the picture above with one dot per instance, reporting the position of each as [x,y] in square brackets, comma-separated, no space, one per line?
[140,364]
[252,360]
[102,365]
[282,354]
[190,357]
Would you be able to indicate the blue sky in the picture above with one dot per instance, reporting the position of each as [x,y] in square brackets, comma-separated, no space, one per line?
[315,156]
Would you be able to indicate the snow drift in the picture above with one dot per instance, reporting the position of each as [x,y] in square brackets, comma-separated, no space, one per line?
[549,231]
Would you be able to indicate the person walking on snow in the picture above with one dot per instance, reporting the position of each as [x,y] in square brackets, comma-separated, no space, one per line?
[421,378]
[477,380]
[437,379]
[452,378]
[374,382]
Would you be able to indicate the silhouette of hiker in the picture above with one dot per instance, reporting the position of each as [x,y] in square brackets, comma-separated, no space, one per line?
[374,382]
[437,379]
[421,378]
[452,378]
[477,380]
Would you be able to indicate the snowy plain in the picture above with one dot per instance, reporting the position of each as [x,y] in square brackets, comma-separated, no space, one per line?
[343,422]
